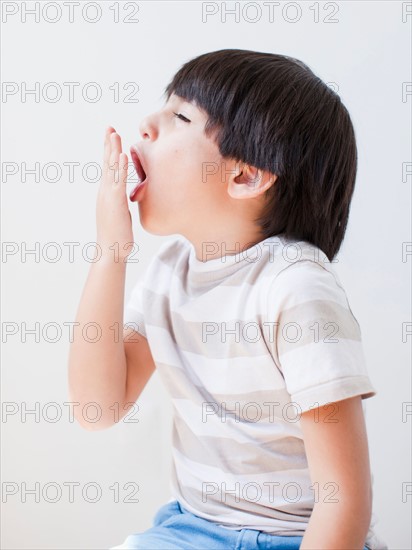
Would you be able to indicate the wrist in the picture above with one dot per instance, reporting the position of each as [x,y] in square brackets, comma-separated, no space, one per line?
[113,252]
[108,258]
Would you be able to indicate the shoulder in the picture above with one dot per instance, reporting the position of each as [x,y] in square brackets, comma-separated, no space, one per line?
[307,278]
[304,273]
[308,284]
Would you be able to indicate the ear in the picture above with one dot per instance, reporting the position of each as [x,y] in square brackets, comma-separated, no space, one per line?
[249,182]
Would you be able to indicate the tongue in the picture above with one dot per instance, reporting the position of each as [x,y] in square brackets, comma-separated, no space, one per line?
[138,192]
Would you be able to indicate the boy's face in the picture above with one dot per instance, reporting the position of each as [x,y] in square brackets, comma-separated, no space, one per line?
[185,185]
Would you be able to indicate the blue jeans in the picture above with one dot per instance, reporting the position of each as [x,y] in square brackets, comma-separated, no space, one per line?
[175,528]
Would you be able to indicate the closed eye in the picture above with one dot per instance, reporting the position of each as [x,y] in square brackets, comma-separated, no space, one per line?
[178,115]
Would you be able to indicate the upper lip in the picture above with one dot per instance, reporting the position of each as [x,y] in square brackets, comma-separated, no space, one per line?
[138,161]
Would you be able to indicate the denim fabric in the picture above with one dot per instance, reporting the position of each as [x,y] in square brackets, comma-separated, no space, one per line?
[175,528]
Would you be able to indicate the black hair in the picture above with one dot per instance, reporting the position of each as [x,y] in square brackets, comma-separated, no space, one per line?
[272,112]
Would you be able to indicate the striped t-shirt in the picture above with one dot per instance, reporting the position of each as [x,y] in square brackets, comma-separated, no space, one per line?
[244,344]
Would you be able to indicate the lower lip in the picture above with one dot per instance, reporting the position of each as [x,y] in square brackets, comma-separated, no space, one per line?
[138,194]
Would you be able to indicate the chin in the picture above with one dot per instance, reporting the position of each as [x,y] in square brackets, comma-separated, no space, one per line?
[152,226]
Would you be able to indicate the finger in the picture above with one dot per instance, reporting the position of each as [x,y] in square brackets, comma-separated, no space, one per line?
[116,142]
[109,130]
[114,153]
[107,147]
[120,143]
[124,162]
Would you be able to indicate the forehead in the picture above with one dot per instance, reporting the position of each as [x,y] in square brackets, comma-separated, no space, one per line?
[190,106]
[177,99]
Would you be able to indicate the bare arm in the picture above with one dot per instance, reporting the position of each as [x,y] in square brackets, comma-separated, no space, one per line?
[97,370]
[338,457]
[107,371]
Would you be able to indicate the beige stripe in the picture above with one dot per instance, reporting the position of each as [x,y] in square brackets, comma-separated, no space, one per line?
[239,458]
[232,338]
[315,321]
[322,320]
[253,406]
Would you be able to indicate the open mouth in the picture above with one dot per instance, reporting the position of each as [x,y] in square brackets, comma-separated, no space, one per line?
[141,174]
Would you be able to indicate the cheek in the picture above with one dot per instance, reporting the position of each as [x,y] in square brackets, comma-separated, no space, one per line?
[185,171]
[171,164]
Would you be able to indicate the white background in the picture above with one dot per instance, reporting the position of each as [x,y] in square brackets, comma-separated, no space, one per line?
[366,54]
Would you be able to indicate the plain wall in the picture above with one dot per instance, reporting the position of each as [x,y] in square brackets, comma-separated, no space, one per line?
[365,56]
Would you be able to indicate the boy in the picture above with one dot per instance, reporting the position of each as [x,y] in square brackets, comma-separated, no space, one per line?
[251,163]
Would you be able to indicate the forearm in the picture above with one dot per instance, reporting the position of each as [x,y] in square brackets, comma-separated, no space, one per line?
[98,369]
[333,526]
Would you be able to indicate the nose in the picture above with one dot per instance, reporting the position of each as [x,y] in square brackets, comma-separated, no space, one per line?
[147,128]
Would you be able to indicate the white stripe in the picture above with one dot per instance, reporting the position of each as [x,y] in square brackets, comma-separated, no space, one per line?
[236,375]
[204,422]
[328,361]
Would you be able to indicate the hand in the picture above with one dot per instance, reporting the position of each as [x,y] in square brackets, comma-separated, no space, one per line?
[113,219]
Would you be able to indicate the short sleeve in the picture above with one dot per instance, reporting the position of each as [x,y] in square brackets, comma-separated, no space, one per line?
[317,340]
[133,311]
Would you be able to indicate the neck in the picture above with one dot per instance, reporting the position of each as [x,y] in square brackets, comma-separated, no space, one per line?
[219,244]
